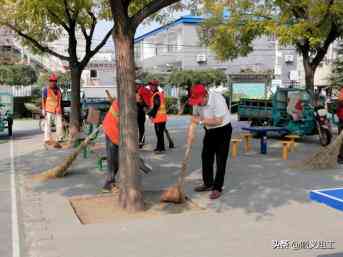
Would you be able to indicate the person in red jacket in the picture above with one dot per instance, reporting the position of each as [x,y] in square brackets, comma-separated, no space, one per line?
[339,113]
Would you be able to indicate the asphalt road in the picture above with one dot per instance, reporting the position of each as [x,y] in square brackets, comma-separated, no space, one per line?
[22,129]
[5,197]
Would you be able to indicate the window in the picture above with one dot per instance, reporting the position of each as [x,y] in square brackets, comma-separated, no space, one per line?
[94,74]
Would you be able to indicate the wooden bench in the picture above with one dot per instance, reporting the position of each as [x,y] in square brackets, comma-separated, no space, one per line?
[247,137]
[292,139]
[234,148]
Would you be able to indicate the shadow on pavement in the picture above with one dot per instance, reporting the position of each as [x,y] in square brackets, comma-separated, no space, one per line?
[257,184]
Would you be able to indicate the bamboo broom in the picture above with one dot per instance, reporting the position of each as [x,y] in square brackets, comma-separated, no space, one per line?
[61,170]
[325,158]
[175,194]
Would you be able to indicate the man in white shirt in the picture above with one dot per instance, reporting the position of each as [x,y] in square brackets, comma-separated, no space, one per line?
[210,109]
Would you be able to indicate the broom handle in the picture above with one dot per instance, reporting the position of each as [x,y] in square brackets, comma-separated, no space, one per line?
[170,140]
[190,139]
[109,96]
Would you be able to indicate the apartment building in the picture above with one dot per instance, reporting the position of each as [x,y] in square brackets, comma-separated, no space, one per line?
[177,46]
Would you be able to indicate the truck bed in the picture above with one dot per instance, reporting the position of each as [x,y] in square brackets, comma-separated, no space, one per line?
[256,110]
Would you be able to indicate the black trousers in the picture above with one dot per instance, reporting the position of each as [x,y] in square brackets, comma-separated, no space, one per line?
[141,127]
[340,128]
[112,151]
[159,129]
[216,145]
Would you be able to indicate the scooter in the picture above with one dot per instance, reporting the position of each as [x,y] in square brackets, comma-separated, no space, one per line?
[323,126]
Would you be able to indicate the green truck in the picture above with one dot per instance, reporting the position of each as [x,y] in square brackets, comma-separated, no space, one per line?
[6,112]
[276,112]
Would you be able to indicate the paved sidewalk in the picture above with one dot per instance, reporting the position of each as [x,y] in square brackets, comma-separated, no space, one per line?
[263,201]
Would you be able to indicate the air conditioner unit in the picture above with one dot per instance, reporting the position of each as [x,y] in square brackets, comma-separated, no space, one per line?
[289,58]
[293,75]
[201,58]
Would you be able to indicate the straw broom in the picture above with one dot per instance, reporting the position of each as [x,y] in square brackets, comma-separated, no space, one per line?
[175,194]
[325,158]
[61,170]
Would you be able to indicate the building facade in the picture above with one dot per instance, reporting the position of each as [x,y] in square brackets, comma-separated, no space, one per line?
[177,46]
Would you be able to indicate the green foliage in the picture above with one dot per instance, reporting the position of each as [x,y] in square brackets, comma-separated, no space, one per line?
[187,78]
[293,22]
[188,108]
[310,25]
[63,79]
[171,105]
[166,14]
[145,77]
[17,74]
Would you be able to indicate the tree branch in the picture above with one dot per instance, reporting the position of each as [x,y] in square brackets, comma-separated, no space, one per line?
[36,44]
[94,22]
[89,54]
[321,52]
[66,10]
[59,20]
[150,9]
[87,38]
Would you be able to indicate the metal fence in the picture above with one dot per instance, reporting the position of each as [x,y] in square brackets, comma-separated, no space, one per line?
[17,91]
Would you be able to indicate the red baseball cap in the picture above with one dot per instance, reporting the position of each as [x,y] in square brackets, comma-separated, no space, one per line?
[198,92]
[154,82]
[53,77]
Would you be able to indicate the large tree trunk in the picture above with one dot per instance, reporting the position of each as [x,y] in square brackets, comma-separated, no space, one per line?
[130,195]
[75,116]
[309,74]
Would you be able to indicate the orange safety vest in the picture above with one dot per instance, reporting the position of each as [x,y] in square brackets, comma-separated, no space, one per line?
[111,123]
[53,102]
[161,115]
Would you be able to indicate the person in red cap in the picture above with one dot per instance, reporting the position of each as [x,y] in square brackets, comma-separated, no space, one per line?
[339,113]
[211,111]
[143,98]
[52,110]
[158,115]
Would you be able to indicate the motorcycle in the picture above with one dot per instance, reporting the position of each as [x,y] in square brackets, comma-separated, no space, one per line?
[323,126]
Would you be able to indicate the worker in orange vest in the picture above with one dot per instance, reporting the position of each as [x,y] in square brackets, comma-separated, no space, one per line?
[52,110]
[158,115]
[112,137]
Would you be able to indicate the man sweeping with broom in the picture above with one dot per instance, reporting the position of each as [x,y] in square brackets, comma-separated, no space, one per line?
[52,110]
[210,109]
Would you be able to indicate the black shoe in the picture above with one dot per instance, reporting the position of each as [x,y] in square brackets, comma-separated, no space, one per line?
[340,161]
[203,188]
[171,145]
[159,151]
[107,188]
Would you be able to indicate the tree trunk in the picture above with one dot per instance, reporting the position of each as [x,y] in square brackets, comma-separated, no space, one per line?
[309,74]
[75,116]
[130,195]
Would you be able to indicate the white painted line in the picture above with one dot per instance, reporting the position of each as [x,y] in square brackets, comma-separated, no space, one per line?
[330,196]
[15,225]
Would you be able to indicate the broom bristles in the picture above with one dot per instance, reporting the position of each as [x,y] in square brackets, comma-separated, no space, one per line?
[325,158]
[61,170]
